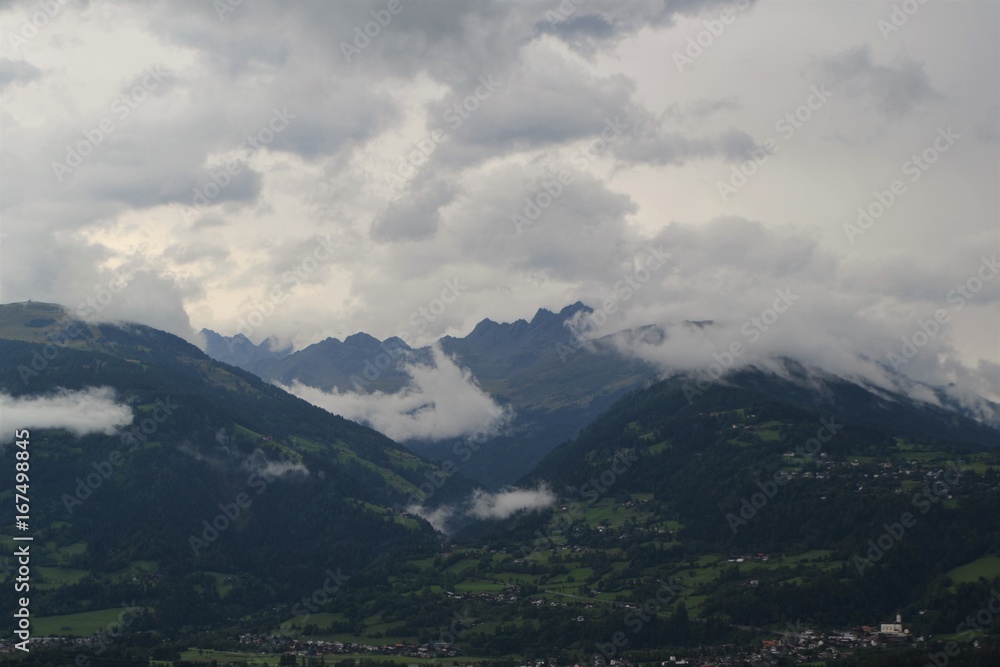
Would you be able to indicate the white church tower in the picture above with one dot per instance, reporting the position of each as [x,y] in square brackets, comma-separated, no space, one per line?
[895,629]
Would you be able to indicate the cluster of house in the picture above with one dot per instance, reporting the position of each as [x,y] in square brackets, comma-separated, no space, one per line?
[814,646]
[509,595]
[319,648]
[889,470]
[758,557]
[799,647]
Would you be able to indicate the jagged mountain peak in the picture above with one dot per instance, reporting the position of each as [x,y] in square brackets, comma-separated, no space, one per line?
[361,338]
[240,351]
[544,316]
[550,323]
[365,340]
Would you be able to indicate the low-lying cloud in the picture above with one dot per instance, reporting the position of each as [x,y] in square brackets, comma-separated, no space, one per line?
[269,470]
[501,505]
[484,505]
[437,517]
[91,410]
[733,293]
[442,401]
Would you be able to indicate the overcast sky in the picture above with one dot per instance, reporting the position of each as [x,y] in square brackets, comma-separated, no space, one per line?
[385,171]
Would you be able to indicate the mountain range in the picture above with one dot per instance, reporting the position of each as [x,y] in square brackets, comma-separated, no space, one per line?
[225,511]
[550,384]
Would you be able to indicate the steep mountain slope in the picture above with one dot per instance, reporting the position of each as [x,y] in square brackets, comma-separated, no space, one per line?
[552,384]
[763,464]
[539,364]
[747,505]
[794,509]
[221,477]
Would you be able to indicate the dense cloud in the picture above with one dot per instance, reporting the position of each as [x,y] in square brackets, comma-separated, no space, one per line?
[14,72]
[484,505]
[763,295]
[501,505]
[893,91]
[442,401]
[93,410]
[272,157]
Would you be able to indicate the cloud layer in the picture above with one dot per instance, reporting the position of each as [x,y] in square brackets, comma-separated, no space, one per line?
[484,505]
[248,172]
[93,410]
[506,503]
[442,401]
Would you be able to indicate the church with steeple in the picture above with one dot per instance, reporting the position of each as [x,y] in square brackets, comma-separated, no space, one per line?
[894,629]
